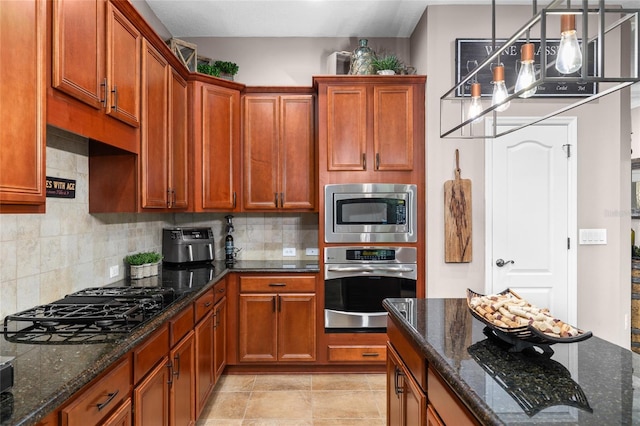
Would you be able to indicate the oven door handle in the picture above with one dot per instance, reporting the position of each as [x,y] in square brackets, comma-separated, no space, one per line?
[365,268]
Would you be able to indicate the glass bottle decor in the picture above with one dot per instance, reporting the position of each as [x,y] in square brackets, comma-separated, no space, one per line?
[361,59]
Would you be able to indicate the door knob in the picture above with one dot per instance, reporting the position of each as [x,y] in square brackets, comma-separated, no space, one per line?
[501,262]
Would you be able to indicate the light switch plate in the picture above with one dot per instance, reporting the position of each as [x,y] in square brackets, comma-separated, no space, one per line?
[312,252]
[114,271]
[289,251]
[592,236]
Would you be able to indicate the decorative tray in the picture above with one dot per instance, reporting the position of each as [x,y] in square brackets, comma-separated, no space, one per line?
[523,330]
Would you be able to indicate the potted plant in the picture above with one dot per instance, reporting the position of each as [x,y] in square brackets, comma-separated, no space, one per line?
[153,260]
[136,263]
[386,65]
[209,69]
[226,69]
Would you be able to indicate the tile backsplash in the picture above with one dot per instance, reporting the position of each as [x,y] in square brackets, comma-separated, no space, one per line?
[45,256]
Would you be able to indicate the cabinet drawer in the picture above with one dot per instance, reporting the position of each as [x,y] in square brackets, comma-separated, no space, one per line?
[149,353]
[204,304]
[277,284]
[220,290]
[181,324]
[446,403]
[101,398]
[358,353]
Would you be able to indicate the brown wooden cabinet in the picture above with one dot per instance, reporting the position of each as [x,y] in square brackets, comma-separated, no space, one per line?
[151,396]
[215,120]
[122,417]
[96,61]
[205,377]
[278,152]
[163,150]
[277,319]
[371,124]
[101,398]
[23,114]
[219,337]
[406,401]
[182,387]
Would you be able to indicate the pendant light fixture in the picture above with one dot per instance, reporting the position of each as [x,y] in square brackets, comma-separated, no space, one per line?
[569,58]
[527,74]
[475,106]
[500,92]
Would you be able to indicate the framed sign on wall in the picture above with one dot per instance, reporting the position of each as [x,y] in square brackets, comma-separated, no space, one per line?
[472,52]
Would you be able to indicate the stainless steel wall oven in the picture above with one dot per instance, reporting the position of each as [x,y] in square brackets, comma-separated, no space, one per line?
[357,279]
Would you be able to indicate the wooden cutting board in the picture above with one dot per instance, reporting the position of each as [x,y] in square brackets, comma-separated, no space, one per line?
[457,218]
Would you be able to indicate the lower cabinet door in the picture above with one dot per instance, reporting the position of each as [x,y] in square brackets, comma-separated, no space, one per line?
[296,327]
[394,389]
[122,417]
[432,417]
[151,397]
[257,340]
[182,393]
[220,338]
[204,334]
[415,402]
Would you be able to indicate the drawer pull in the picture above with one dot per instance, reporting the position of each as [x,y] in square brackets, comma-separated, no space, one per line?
[206,305]
[370,354]
[109,399]
[277,284]
[221,290]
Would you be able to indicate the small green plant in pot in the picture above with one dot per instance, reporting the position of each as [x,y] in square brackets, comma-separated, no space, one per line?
[209,69]
[226,69]
[143,264]
[386,65]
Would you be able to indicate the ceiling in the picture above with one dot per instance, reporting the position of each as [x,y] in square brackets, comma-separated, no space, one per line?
[304,18]
[309,18]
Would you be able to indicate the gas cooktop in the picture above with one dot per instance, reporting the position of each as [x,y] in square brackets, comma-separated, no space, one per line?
[92,315]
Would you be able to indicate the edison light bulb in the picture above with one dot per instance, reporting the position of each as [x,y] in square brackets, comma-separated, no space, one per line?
[527,74]
[475,107]
[499,89]
[569,59]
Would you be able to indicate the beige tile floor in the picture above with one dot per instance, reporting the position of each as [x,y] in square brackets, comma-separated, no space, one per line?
[297,400]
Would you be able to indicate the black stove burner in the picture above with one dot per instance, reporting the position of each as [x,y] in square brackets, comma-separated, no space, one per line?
[93,315]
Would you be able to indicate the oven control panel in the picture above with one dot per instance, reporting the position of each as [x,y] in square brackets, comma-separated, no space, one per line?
[371,254]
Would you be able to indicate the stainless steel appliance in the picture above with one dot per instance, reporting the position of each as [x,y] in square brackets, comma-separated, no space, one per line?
[187,245]
[357,279]
[370,212]
[92,315]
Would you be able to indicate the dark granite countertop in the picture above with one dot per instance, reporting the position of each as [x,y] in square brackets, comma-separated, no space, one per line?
[46,375]
[592,382]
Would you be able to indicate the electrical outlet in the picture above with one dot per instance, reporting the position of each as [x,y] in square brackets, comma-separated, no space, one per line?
[114,271]
[312,252]
[289,251]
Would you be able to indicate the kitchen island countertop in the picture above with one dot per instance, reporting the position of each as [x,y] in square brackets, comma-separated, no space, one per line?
[592,382]
[46,375]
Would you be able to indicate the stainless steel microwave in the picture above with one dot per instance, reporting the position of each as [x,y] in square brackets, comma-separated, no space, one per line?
[370,212]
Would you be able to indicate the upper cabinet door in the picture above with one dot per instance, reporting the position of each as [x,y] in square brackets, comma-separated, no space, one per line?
[178,144]
[346,127]
[154,146]
[297,152]
[123,68]
[260,151]
[393,127]
[22,105]
[78,50]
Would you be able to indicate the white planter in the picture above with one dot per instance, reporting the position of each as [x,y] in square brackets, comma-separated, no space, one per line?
[386,72]
[153,269]
[146,270]
[136,272]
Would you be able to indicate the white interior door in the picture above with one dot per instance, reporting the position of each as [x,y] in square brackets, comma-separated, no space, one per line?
[531,215]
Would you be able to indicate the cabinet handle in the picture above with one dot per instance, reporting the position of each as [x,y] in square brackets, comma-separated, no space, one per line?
[370,354]
[115,98]
[176,372]
[281,199]
[398,389]
[279,304]
[234,199]
[109,399]
[206,305]
[275,194]
[221,290]
[364,161]
[377,161]
[217,316]
[275,302]
[168,197]
[277,284]
[173,192]
[170,367]
[103,101]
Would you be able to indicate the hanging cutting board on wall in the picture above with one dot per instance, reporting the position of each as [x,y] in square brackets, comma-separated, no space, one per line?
[457,218]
